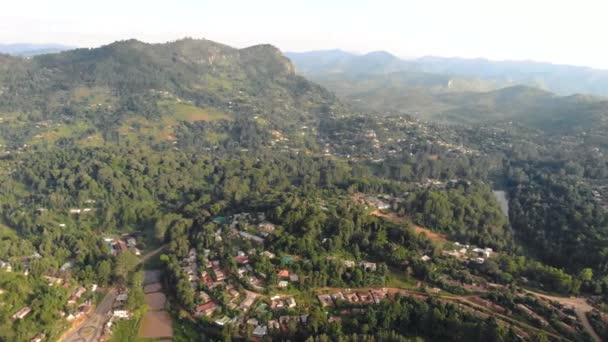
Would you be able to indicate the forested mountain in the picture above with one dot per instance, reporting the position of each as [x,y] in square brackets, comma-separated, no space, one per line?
[122,87]
[560,79]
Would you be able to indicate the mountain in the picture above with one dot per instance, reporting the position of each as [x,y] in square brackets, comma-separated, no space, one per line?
[560,79]
[136,91]
[337,61]
[460,100]
[27,49]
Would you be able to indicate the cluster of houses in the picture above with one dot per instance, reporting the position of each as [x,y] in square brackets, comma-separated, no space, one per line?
[77,307]
[468,252]
[125,243]
[374,296]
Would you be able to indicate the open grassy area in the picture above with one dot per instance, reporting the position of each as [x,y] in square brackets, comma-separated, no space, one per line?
[191,113]
[400,280]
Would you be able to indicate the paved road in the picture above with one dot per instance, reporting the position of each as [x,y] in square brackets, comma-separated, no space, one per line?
[580,306]
[91,329]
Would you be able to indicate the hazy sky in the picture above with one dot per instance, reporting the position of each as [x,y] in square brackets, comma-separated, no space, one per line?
[571,32]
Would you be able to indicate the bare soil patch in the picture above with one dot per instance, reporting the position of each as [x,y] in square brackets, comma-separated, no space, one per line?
[154,287]
[156,325]
[156,301]
[393,217]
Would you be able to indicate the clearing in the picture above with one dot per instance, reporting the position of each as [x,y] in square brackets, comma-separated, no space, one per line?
[392,217]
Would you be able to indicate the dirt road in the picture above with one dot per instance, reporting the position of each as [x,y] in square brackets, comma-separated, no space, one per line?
[580,306]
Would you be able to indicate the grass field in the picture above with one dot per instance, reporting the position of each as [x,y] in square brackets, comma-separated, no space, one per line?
[191,113]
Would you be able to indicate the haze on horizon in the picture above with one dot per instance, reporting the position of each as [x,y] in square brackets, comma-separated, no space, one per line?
[562,32]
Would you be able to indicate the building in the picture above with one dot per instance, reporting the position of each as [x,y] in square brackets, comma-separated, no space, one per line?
[283,283]
[38,338]
[291,303]
[22,313]
[251,237]
[121,313]
[206,309]
[368,266]
[349,263]
[325,300]
[283,273]
[260,331]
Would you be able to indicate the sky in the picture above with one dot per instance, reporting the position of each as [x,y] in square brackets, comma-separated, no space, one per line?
[558,31]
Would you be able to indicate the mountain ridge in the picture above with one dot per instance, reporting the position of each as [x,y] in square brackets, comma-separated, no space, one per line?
[559,78]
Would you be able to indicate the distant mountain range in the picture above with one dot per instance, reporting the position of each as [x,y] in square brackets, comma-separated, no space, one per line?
[27,49]
[457,92]
[560,79]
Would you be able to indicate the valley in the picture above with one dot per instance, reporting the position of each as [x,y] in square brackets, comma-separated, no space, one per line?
[277,210]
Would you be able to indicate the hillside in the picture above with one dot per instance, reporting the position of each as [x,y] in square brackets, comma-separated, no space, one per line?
[460,100]
[143,92]
[559,79]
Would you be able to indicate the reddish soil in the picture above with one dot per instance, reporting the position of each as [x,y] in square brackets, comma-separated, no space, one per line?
[403,220]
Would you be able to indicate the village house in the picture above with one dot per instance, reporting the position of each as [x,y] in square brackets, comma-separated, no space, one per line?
[274,324]
[206,309]
[368,266]
[268,254]
[283,284]
[242,259]
[38,338]
[121,314]
[76,295]
[425,258]
[266,227]
[291,303]
[222,321]
[283,273]
[251,237]
[131,242]
[365,298]
[338,296]
[260,331]
[349,263]
[248,302]
[121,298]
[204,297]
[352,297]
[379,295]
[22,313]
[325,300]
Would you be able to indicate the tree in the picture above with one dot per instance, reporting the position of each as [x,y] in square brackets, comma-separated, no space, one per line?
[125,263]
[104,272]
